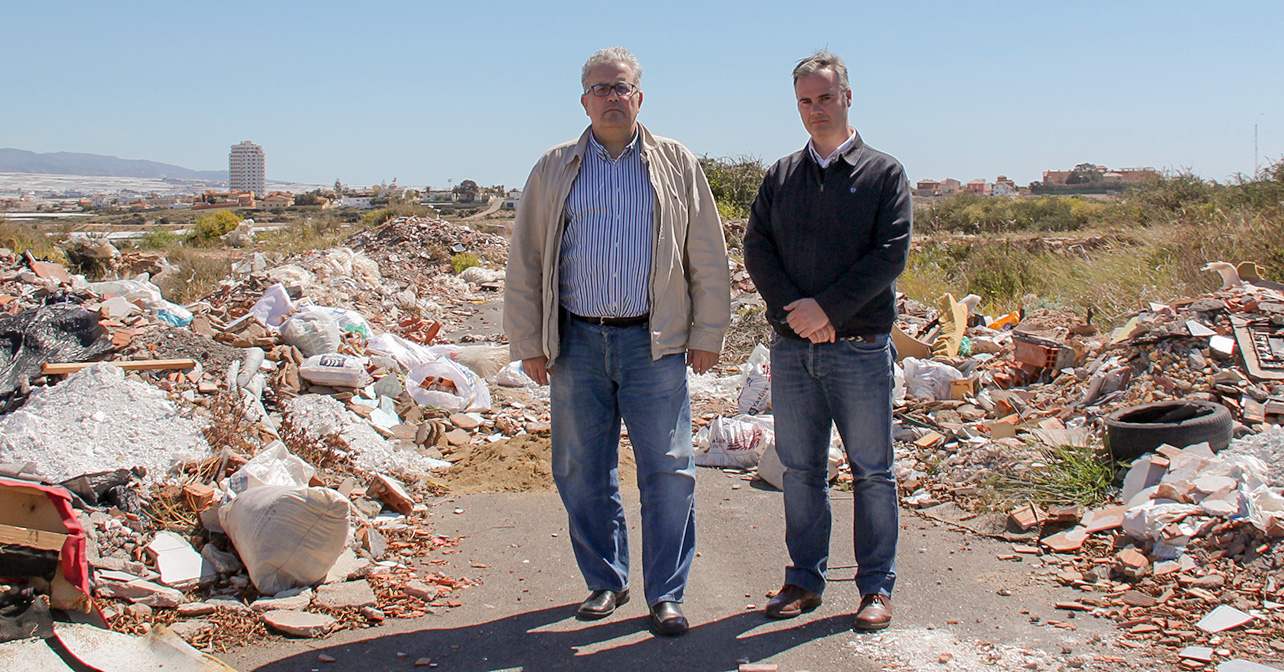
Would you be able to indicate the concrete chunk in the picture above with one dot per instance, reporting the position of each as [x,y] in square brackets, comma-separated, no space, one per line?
[295,599]
[299,623]
[139,591]
[349,594]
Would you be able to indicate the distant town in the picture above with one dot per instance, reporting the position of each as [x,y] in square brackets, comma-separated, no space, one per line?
[247,188]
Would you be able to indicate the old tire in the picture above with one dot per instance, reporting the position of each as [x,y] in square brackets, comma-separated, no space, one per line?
[1134,431]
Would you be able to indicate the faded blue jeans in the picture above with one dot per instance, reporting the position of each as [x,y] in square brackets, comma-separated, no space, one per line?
[847,383]
[602,375]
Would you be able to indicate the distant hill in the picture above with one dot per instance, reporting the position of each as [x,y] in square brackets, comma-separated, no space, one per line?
[70,163]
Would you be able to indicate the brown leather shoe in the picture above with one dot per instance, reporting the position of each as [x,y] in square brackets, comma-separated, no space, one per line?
[602,603]
[792,601]
[875,612]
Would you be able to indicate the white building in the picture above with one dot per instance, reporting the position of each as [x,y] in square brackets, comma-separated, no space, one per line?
[514,197]
[246,169]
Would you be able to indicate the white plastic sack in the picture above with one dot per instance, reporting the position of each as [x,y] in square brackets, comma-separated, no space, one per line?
[407,354]
[929,379]
[287,537]
[773,472]
[274,307]
[513,376]
[734,442]
[755,392]
[447,385]
[274,465]
[335,370]
[313,332]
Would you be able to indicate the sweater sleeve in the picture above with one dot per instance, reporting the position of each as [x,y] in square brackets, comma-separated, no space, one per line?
[762,254]
[878,269]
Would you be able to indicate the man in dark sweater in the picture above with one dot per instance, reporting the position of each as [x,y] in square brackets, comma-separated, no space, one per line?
[828,235]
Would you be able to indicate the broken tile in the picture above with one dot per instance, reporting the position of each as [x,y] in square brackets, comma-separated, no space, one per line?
[1064,542]
[1223,618]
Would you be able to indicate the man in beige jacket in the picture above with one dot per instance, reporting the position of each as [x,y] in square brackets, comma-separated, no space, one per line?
[617,280]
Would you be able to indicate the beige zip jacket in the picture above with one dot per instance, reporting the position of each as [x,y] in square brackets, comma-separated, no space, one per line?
[690,286]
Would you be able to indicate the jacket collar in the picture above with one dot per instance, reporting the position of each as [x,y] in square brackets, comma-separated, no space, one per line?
[647,142]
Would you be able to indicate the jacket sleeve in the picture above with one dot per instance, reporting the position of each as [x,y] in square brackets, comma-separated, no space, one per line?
[878,269]
[708,277]
[762,255]
[524,278]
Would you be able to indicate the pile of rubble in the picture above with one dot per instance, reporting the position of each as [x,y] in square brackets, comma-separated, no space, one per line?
[315,391]
[988,407]
[308,398]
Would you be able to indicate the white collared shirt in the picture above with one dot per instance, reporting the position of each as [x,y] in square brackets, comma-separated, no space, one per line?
[847,144]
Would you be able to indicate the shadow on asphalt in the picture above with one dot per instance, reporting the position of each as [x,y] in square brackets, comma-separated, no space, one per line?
[523,642]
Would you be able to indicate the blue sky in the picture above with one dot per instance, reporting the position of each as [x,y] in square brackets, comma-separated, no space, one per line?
[429,92]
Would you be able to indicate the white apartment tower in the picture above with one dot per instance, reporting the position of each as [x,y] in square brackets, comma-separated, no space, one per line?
[245,169]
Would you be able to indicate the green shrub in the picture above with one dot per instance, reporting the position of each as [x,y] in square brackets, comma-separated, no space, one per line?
[734,182]
[464,260]
[210,227]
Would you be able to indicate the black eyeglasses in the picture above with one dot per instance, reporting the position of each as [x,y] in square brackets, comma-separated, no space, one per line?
[623,90]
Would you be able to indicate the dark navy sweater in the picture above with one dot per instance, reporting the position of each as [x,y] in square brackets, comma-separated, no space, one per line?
[839,235]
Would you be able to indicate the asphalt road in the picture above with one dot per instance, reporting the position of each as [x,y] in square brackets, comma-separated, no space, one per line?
[949,613]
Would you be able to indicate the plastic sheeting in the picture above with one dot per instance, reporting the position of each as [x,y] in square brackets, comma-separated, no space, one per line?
[57,333]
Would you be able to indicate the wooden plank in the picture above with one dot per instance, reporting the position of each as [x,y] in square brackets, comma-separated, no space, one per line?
[25,536]
[129,365]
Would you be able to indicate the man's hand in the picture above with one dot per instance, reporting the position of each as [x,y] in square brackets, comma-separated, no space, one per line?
[701,361]
[537,368]
[809,321]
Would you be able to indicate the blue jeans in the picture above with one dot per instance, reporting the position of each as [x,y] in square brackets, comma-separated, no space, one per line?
[602,375]
[847,383]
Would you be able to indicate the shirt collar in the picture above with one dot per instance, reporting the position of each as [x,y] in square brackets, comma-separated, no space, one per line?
[825,161]
[597,148]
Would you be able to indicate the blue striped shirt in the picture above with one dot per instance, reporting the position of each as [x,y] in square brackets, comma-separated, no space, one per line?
[605,261]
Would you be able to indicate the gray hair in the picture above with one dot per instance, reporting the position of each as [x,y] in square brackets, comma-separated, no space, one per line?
[821,60]
[610,56]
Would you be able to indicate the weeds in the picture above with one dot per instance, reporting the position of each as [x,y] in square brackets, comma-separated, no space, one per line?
[1069,475]
[464,260]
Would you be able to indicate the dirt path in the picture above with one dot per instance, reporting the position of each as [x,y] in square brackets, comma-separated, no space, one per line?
[957,606]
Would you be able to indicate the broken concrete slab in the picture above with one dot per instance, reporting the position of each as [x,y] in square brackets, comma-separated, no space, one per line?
[421,590]
[299,623]
[295,599]
[110,651]
[142,592]
[221,562]
[349,594]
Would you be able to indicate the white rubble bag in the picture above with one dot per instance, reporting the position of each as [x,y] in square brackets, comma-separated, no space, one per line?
[772,471]
[734,442]
[755,389]
[447,385]
[287,536]
[335,370]
[929,379]
[313,332]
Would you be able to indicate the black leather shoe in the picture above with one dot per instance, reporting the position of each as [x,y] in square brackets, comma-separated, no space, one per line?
[602,603]
[667,619]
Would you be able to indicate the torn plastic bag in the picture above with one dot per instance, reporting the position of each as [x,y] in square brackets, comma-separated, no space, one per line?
[274,465]
[61,333]
[313,332]
[287,536]
[929,379]
[734,442]
[447,385]
[755,391]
